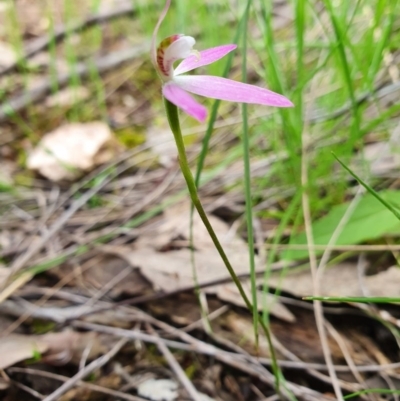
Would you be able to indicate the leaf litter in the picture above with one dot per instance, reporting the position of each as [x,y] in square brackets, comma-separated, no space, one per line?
[72,149]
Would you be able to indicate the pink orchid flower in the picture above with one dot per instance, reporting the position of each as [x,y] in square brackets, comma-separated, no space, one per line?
[176,86]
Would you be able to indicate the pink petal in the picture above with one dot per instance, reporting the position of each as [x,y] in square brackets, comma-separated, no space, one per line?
[184,101]
[206,57]
[226,89]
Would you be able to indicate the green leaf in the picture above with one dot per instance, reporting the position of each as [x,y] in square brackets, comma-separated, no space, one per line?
[370,220]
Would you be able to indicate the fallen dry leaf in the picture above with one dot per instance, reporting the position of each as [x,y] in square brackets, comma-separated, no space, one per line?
[163,390]
[99,272]
[384,284]
[301,339]
[162,145]
[169,268]
[341,280]
[68,346]
[159,390]
[8,54]
[70,150]
[17,347]
[54,348]
[230,293]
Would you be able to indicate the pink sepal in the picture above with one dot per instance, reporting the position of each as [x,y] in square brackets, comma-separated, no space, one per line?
[184,101]
[205,57]
[227,89]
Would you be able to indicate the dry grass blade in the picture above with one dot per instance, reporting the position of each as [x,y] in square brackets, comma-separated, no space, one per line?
[173,363]
[319,315]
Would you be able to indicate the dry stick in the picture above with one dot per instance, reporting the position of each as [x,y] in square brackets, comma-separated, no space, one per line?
[90,386]
[173,363]
[28,390]
[199,324]
[191,344]
[345,351]
[247,365]
[102,64]
[318,311]
[392,386]
[298,364]
[321,376]
[57,226]
[12,308]
[20,262]
[141,205]
[107,287]
[36,308]
[98,363]
[60,33]
[160,295]
[323,262]
[261,372]
[147,200]
[380,90]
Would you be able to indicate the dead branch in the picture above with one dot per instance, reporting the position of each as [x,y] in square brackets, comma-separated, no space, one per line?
[174,365]
[60,33]
[81,70]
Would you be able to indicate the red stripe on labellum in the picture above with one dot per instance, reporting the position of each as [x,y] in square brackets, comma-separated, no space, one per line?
[160,51]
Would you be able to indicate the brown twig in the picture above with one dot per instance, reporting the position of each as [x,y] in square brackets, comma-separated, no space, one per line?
[161,295]
[318,311]
[102,64]
[380,90]
[249,365]
[174,365]
[12,308]
[90,386]
[60,33]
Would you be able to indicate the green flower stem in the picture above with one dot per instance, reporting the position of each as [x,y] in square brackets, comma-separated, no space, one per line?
[173,119]
[247,183]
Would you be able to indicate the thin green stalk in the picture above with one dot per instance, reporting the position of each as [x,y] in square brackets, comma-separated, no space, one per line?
[283,225]
[346,71]
[203,154]
[388,206]
[99,90]
[384,116]
[372,300]
[291,128]
[173,119]
[71,56]
[371,391]
[380,46]
[214,111]
[247,183]
[300,29]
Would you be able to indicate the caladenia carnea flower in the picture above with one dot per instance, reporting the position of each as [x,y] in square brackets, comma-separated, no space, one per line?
[176,86]
[175,91]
